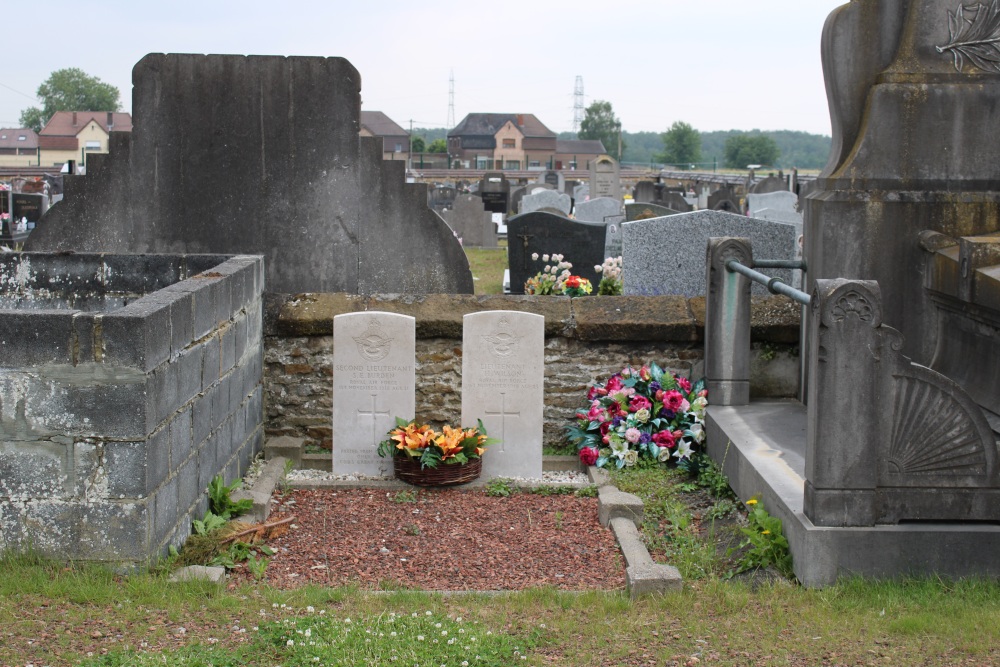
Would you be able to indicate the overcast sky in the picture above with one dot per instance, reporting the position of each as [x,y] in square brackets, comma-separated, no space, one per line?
[726,64]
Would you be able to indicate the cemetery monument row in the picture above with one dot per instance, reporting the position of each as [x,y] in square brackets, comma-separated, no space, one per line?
[258,155]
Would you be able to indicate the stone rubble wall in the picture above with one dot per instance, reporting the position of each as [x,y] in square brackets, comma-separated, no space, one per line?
[587,340]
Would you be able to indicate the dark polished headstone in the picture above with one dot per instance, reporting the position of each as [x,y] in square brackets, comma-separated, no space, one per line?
[582,244]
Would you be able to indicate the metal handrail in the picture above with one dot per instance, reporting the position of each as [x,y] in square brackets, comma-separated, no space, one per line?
[774,285]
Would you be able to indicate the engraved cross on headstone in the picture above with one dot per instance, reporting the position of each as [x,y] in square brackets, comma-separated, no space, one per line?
[373,413]
[503,414]
[524,238]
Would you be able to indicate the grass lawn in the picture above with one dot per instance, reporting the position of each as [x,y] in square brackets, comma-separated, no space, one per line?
[55,615]
[488,265]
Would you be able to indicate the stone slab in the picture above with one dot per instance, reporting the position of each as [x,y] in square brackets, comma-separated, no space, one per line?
[503,369]
[581,243]
[373,384]
[546,199]
[601,209]
[667,255]
[761,448]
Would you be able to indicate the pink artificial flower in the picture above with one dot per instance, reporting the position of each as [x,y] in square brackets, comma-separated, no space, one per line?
[685,384]
[632,435]
[672,400]
[588,456]
[664,439]
[685,405]
[639,403]
[614,384]
[596,413]
[644,374]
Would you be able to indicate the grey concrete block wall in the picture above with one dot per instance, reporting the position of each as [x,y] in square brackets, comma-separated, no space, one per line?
[112,422]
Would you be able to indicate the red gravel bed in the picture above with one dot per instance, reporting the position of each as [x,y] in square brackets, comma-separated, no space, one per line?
[444,540]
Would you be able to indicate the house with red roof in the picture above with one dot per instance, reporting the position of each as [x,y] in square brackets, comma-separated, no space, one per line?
[73,135]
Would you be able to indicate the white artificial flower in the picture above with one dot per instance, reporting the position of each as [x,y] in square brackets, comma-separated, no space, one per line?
[534,256]
[683,449]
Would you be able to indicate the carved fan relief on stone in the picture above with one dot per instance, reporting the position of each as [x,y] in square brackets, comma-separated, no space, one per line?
[932,434]
[974,34]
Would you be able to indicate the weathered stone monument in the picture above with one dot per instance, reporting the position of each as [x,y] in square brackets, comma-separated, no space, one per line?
[472,222]
[605,178]
[261,155]
[600,209]
[503,373]
[373,383]
[912,111]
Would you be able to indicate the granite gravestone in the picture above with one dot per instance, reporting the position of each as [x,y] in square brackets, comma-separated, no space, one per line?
[494,189]
[503,376]
[674,200]
[581,243]
[770,184]
[781,206]
[601,209]
[472,222]
[373,383]
[613,241]
[581,192]
[27,205]
[666,255]
[258,155]
[644,191]
[546,199]
[605,178]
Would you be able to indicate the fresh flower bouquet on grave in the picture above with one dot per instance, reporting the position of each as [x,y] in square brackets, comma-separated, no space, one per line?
[551,279]
[644,413]
[451,446]
[577,286]
[611,277]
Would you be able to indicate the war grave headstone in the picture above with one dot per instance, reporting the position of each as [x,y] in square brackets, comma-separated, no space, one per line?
[581,243]
[553,178]
[642,211]
[546,199]
[373,383]
[503,374]
[441,197]
[605,178]
[312,196]
[601,209]
[472,222]
[494,189]
[659,255]
[780,206]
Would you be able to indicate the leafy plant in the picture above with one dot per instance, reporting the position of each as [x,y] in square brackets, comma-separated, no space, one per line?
[208,524]
[500,487]
[220,500]
[257,566]
[405,496]
[767,545]
[589,491]
[721,509]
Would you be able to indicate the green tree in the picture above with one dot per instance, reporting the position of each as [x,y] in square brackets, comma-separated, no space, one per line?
[599,122]
[438,146]
[417,145]
[746,149]
[681,145]
[70,89]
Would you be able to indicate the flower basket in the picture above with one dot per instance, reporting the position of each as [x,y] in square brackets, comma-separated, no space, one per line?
[410,471]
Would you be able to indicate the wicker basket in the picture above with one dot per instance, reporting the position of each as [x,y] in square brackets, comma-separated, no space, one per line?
[408,470]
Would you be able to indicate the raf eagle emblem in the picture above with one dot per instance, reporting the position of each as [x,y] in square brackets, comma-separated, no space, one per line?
[373,344]
[503,342]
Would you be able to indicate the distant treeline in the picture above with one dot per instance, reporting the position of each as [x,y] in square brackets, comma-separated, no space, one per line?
[798,149]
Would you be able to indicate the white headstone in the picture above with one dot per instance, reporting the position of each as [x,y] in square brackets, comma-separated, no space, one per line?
[546,199]
[599,209]
[503,373]
[373,383]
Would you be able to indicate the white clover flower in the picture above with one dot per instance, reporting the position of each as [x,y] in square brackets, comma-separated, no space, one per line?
[437,625]
[310,609]
[420,638]
[290,642]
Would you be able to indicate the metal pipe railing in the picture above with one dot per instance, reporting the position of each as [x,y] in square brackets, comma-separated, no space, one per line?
[774,285]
